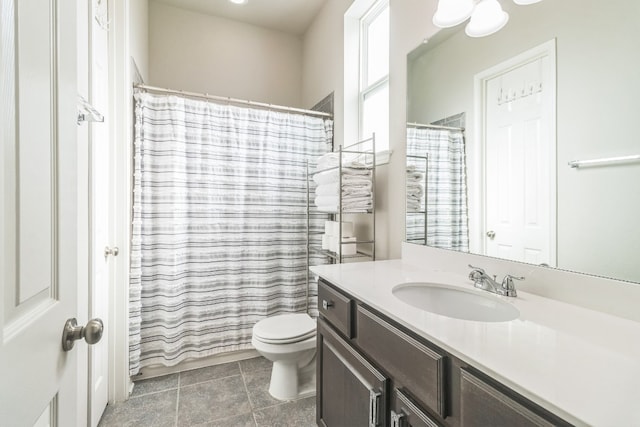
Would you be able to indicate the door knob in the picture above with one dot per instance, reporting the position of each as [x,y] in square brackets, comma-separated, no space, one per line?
[92,333]
[111,251]
[491,234]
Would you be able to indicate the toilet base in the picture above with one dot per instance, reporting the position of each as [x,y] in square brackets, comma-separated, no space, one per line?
[289,382]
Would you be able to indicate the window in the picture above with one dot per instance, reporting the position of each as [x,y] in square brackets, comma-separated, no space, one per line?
[374,75]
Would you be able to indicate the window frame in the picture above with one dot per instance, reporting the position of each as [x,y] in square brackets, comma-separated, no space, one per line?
[364,89]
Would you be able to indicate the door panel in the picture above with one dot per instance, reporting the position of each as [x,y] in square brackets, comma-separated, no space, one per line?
[38,211]
[351,391]
[519,188]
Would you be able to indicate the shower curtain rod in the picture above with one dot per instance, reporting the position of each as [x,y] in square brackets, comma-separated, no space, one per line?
[420,125]
[231,100]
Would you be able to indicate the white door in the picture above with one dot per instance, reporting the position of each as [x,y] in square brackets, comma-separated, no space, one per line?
[520,164]
[38,211]
[99,207]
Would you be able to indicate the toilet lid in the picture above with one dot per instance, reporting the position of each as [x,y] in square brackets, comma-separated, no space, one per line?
[285,328]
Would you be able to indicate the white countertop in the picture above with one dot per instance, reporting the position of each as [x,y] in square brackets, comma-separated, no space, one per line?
[580,364]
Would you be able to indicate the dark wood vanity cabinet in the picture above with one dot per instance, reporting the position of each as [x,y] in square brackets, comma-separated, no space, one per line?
[373,372]
[405,412]
[411,364]
[351,391]
[486,403]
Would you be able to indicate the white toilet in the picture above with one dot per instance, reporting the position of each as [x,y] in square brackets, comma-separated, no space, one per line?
[289,341]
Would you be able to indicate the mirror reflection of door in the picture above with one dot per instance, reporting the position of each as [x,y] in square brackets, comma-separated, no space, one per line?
[519,191]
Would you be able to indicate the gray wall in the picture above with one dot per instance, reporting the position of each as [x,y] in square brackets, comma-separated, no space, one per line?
[598,63]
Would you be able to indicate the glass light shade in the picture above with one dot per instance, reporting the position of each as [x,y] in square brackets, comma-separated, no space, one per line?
[452,12]
[487,18]
[525,2]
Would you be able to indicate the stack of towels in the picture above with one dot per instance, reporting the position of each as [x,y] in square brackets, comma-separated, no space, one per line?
[415,189]
[356,185]
[331,237]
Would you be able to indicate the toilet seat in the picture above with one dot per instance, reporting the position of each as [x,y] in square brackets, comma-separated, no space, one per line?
[285,329]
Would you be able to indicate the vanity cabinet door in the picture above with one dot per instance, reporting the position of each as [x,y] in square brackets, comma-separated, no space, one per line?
[336,308]
[350,391]
[483,404]
[412,365]
[405,412]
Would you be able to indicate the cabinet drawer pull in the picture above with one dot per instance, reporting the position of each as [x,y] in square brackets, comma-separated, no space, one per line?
[397,420]
[374,404]
[326,305]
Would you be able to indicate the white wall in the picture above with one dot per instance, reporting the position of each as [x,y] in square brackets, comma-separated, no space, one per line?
[203,53]
[322,61]
[597,98]
[139,35]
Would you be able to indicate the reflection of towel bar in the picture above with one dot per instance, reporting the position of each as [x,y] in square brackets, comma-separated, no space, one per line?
[605,161]
[87,113]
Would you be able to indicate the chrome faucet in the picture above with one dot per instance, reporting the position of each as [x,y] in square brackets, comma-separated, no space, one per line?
[482,280]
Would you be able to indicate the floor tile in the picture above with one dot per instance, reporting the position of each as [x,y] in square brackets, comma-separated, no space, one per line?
[255,364]
[209,373]
[153,385]
[257,383]
[157,409]
[244,420]
[211,401]
[299,413]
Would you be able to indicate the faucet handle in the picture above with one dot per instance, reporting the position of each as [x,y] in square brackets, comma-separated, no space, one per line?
[481,270]
[476,274]
[508,286]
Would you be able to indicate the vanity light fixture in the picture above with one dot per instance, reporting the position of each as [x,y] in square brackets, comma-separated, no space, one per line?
[487,16]
[238,1]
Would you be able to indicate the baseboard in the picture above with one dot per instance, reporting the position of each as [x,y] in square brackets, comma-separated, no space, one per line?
[188,365]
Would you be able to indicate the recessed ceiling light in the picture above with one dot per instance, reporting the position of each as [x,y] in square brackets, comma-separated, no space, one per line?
[238,1]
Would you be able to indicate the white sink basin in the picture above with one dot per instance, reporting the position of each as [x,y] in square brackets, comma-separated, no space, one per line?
[455,302]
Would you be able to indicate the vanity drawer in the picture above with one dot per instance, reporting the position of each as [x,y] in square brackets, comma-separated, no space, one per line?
[406,412]
[413,366]
[336,308]
[483,404]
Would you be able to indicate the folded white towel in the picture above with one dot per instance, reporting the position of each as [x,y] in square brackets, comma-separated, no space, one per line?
[413,206]
[349,175]
[332,160]
[353,209]
[415,190]
[334,200]
[414,176]
[351,193]
[327,161]
[363,204]
[331,189]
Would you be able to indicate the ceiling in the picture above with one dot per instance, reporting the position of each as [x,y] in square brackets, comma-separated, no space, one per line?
[290,16]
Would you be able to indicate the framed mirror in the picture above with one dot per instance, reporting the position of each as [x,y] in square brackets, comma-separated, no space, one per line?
[522,145]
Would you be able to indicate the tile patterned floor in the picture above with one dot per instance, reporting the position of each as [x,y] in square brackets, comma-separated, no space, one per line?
[229,395]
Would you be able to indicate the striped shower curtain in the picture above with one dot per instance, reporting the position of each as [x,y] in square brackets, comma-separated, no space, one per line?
[219,224]
[446,193]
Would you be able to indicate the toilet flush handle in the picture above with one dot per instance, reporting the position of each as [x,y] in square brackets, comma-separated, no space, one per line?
[326,304]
